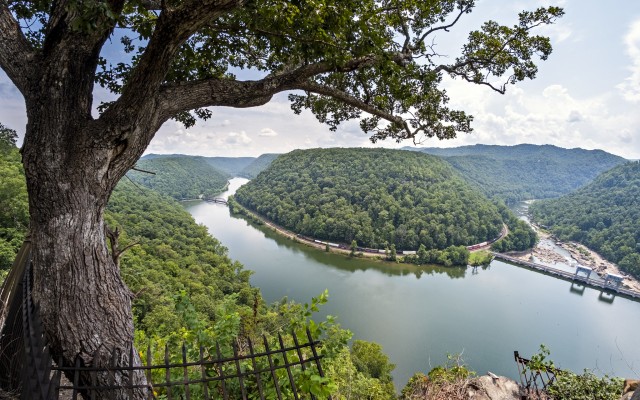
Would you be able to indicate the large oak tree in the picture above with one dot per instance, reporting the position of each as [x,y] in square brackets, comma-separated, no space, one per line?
[371,60]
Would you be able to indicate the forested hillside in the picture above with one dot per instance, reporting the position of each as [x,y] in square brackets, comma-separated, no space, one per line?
[604,216]
[258,165]
[233,166]
[373,196]
[186,289]
[14,205]
[526,171]
[181,177]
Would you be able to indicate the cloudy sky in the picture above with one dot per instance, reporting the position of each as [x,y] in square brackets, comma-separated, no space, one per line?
[586,95]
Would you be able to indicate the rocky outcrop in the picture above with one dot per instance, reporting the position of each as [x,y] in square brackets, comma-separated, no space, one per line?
[490,388]
[631,390]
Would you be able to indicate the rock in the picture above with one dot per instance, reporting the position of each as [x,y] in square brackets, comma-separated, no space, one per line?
[630,385]
[488,388]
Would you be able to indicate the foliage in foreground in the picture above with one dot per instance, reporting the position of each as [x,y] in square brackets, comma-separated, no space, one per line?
[604,216]
[572,386]
[14,204]
[445,382]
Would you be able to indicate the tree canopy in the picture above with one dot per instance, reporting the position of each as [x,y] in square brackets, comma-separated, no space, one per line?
[343,57]
[377,197]
[181,177]
[258,165]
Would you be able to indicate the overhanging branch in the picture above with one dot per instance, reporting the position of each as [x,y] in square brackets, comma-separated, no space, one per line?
[355,102]
[179,97]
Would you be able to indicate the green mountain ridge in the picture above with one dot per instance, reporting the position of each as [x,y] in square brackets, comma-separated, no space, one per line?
[258,165]
[604,216]
[181,177]
[525,171]
[373,196]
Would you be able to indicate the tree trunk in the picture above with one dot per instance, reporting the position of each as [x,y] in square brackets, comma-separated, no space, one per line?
[84,304]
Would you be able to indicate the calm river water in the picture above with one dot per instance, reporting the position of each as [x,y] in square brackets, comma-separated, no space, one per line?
[419,315]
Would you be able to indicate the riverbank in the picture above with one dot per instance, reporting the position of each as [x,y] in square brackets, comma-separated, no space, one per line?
[293,236]
[579,255]
[343,249]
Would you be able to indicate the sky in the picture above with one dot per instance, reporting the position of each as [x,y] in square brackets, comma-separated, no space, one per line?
[587,94]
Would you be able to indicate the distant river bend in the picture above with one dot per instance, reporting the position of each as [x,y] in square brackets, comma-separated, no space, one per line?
[419,314]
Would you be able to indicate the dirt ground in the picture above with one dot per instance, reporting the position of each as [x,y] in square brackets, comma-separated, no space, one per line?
[581,254]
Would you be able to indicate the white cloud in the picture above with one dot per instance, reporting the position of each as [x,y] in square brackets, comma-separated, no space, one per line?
[235,138]
[557,32]
[552,115]
[268,132]
[631,86]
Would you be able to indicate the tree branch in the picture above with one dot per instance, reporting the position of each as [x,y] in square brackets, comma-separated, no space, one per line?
[16,54]
[137,106]
[179,97]
[445,28]
[355,102]
[173,28]
[113,237]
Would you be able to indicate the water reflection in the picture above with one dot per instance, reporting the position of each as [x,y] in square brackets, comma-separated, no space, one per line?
[577,288]
[420,314]
[345,263]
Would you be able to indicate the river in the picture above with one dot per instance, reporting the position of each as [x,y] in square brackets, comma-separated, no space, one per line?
[421,314]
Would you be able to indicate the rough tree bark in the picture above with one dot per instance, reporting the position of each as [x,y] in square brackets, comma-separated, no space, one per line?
[71,170]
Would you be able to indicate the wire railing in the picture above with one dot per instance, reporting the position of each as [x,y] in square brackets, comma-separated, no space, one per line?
[264,372]
[284,367]
[534,382]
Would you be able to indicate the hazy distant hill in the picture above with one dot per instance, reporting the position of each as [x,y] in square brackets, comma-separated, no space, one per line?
[373,196]
[258,165]
[181,177]
[526,171]
[231,165]
[604,215]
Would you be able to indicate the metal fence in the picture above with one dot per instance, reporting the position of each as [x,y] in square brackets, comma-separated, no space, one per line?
[284,368]
[534,382]
[256,373]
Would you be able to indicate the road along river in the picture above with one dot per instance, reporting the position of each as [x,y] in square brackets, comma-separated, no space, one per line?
[419,314]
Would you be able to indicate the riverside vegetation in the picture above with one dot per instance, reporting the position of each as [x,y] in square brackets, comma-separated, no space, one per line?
[604,215]
[379,198]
